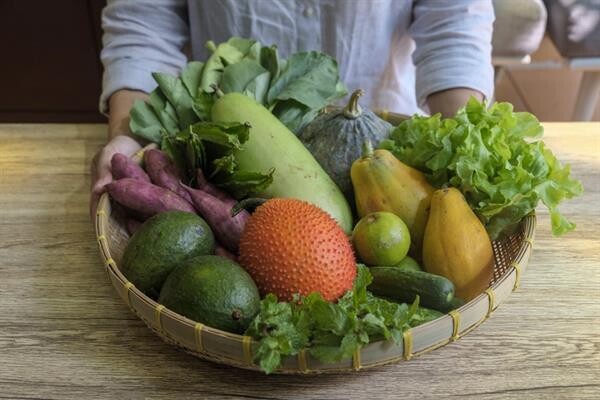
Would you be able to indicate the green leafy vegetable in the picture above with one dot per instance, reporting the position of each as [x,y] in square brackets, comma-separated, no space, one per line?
[177,113]
[211,147]
[227,53]
[494,156]
[173,105]
[242,184]
[247,76]
[269,59]
[306,79]
[145,123]
[177,94]
[191,76]
[329,331]
[295,89]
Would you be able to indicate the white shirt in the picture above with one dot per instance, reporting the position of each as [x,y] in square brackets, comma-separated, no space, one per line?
[397,51]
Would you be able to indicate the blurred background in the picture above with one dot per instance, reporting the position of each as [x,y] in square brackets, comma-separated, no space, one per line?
[546,55]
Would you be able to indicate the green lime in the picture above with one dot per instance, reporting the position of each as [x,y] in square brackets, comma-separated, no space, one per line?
[381,238]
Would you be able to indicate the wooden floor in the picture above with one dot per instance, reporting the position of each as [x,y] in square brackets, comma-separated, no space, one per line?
[549,94]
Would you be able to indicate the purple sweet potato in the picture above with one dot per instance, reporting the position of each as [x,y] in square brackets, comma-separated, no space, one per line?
[223,252]
[132,225]
[124,167]
[209,188]
[146,198]
[164,173]
[217,213]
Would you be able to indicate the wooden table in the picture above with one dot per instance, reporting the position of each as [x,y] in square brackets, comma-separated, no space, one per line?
[64,333]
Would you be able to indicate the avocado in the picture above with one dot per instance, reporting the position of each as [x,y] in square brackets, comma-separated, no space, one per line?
[213,290]
[161,244]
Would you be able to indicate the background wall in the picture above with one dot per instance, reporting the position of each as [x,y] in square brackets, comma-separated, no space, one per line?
[549,94]
[49,65]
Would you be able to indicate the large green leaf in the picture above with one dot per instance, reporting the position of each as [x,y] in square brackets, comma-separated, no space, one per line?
[223,55]
[309,78]
[246,76]
[191,77]
[145,123]
[177,94]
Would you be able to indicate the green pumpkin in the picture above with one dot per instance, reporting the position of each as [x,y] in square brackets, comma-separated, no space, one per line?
[335,139]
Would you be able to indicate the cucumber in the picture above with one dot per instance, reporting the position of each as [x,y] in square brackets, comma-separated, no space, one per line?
[402,285]
[408,264]
[454,304]
[272,145]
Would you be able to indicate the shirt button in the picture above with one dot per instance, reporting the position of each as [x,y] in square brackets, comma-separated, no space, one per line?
[309,11]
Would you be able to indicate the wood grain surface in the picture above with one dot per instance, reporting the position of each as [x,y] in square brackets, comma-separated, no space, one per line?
[64,333]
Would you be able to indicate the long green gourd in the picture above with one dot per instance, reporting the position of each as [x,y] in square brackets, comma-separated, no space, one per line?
[272,145]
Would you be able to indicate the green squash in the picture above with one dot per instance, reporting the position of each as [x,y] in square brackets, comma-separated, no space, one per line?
[335,139]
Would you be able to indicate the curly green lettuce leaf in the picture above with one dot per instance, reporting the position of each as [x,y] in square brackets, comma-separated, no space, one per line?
[329,331]
[495,157]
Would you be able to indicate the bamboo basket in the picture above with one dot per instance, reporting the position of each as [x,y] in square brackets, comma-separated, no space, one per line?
[511,256]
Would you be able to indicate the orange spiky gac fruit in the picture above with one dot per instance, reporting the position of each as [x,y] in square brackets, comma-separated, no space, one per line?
[290,246]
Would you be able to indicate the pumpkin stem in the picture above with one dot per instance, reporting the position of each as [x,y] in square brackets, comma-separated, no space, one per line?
[353,110]
[367,149]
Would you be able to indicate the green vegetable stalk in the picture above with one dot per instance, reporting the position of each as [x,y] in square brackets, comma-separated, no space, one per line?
[495,157]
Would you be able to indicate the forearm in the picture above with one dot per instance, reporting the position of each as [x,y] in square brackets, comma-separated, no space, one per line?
[447,102]
[119,105]
[453,52]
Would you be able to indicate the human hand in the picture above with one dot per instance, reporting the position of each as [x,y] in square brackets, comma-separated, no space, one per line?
[119,105]
[100,169]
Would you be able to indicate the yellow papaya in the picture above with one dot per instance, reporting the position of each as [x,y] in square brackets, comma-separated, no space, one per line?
[382,183]
[456,244]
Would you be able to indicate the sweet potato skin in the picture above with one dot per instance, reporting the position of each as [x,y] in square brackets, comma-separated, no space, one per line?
[164,173]
[217,213]
[223,252]
[132,225]
[209,188]
[124,167]
[146,198]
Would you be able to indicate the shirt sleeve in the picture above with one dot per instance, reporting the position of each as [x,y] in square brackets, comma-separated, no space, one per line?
[141,37]
[453,46]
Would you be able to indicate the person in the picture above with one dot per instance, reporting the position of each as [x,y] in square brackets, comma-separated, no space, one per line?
[408,56]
